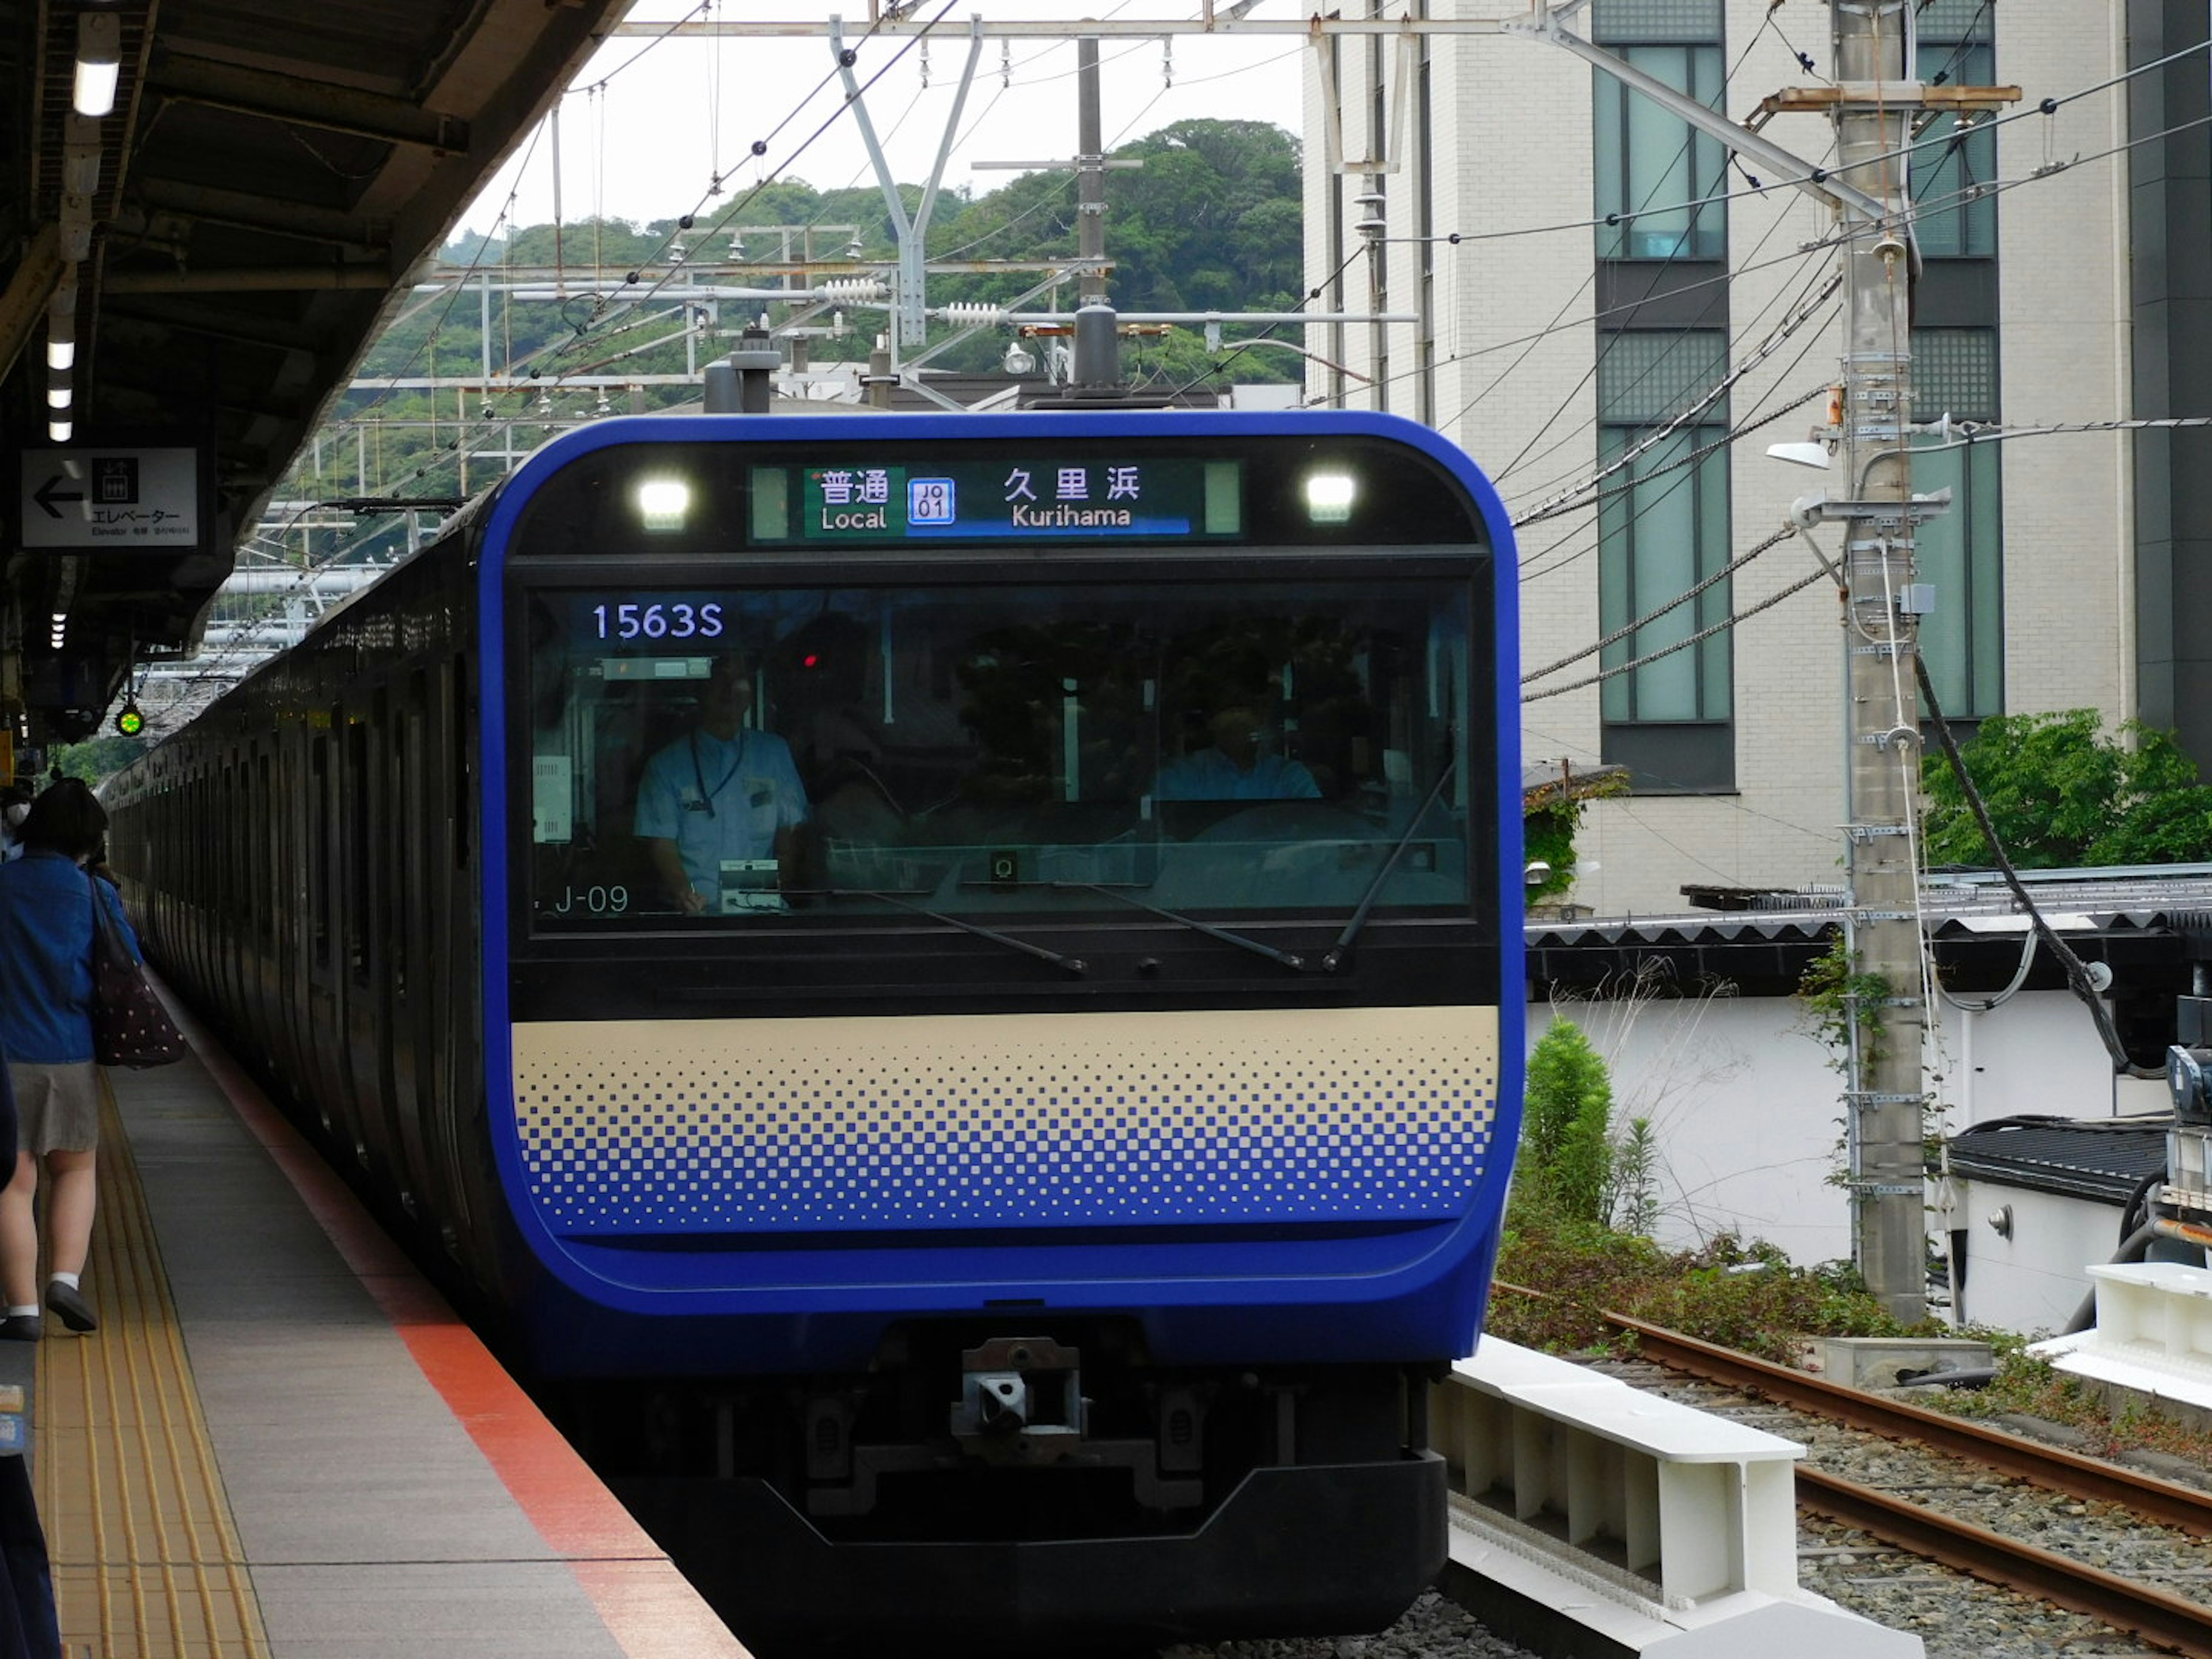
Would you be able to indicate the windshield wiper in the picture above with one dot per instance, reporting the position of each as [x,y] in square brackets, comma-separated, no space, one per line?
[1287,958]
[1337,953]
[1058,959]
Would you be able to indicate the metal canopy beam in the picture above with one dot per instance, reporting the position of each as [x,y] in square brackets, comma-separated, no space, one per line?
[272,216]
[254,328]
[252,279]
[23,303]
[301,102]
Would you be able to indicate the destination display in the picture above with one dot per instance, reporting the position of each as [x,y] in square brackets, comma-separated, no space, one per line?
[1033,498]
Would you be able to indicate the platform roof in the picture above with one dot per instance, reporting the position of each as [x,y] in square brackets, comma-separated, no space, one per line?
[271,174]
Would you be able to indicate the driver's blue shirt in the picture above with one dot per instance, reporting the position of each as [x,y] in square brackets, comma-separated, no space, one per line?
[1209,774]
[720,801]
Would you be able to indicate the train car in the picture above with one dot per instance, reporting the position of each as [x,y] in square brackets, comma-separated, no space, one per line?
[948,985]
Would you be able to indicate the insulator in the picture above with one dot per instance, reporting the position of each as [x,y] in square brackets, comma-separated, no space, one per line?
[851,290]
[963,313]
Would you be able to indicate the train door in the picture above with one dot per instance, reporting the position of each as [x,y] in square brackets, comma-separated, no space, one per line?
[322,855]
[364,852]
[462,1148]
[399,807]
[233,850]
[297,762]
[262,891]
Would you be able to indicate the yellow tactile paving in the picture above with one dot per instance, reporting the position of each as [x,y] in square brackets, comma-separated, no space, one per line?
[147,1562]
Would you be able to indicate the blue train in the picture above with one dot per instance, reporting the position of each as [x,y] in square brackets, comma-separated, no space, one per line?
[950,985]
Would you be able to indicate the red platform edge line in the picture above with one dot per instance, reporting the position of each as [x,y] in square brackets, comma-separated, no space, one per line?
[645,1603]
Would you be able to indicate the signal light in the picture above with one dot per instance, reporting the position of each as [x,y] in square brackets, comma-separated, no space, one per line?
[130,722]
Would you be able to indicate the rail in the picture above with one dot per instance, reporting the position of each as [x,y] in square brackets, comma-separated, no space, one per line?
[2167,1621]
[2163,1501]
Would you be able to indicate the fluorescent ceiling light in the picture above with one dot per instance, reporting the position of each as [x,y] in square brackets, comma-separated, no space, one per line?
[58,431]
[99,60]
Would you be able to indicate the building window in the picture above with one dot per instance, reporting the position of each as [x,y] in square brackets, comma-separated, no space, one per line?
[1956,217]
[1662,184]
[1663,528]
[1954,372]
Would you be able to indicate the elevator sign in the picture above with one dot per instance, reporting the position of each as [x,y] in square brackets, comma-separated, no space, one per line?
[110,500]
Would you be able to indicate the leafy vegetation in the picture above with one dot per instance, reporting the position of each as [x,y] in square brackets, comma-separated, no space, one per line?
[1743,1295]
[1213,219]
[1566,1159]
[2029,1387]
[2061,793]
[96,757]
[1843,1001]
[1550,817]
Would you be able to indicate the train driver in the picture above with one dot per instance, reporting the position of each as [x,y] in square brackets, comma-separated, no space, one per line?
[1241,765]
[716,808]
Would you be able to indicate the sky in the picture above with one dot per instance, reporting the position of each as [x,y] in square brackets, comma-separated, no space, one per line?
[647,124]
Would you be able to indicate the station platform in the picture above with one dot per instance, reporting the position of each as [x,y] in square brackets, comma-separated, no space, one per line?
[282,1442]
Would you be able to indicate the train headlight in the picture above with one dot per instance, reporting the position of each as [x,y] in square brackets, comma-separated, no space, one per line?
[1329,497]
[664,503]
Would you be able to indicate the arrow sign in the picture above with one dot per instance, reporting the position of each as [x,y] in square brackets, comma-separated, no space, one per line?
[117,498]
[47,494]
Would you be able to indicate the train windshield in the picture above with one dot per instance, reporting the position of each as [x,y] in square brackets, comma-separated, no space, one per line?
[734,757]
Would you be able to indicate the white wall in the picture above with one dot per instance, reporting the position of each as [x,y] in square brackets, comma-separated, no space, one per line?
[1749,1113]
[2029,1282]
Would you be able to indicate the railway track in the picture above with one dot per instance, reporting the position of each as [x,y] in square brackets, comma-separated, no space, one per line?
[2151,1614]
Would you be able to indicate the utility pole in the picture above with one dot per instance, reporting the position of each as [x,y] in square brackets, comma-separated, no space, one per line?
[1090,175]
[1886,1087]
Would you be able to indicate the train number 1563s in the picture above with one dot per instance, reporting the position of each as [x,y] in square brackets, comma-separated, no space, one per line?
[627,621]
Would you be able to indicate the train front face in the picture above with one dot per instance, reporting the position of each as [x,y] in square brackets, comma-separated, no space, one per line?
[1003,996]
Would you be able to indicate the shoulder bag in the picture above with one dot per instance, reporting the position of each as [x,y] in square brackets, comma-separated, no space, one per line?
[130,1027]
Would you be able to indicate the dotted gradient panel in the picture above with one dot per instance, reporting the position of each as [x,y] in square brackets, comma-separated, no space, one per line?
[1034,1120]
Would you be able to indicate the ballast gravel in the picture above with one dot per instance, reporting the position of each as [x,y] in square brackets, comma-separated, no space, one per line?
[1956,1617]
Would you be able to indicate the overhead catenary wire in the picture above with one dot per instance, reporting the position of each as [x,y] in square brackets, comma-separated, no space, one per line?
[1702,634]
[451,457]
[1570,499]
[1583,540]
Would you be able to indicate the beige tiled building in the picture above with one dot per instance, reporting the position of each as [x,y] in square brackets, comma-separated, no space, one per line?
[1587,273]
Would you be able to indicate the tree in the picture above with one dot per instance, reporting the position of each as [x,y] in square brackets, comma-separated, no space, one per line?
[96,757]
[2062,794]
[1566,1153]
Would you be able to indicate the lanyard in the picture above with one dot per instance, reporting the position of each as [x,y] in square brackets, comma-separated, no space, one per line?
[706,795]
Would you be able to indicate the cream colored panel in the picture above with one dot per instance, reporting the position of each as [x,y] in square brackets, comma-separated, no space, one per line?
[1031,1120]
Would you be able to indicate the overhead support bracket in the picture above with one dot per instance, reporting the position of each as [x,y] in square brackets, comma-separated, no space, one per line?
[1546,22]
[911,326]
[1961,100]
[319,104]
[1401,82]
